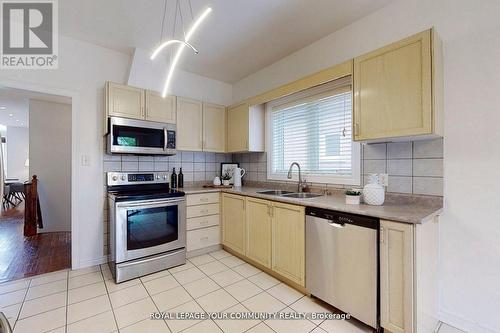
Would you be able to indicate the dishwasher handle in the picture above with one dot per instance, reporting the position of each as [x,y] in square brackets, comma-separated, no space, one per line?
[340,219]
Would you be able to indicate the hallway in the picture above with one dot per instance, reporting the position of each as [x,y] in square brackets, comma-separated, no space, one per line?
[28,256]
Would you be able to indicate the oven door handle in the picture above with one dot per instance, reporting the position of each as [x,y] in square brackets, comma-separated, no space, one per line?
[155,203]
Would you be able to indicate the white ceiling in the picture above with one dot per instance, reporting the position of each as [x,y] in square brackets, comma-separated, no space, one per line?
[237,39]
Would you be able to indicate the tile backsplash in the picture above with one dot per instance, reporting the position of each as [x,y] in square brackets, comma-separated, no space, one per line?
[414,167]
[196,166]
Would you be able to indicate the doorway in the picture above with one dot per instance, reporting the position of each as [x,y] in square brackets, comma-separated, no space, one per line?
[35,130]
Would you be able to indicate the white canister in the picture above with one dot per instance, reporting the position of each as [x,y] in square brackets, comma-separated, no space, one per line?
[373,192]
[217,181]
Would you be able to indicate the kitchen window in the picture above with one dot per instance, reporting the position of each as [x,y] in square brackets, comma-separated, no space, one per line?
[313,128]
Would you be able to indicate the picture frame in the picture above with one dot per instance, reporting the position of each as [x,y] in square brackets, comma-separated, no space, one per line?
[228,167]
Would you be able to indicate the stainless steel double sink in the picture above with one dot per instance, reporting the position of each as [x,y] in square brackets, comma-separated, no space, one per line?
[290,194]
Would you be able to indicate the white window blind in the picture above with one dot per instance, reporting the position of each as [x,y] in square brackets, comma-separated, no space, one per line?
[313,128]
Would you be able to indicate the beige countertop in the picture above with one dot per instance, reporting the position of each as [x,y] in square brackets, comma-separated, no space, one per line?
[413,212]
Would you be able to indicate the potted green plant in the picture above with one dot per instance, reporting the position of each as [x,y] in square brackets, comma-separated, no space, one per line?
[352,197]
[226,177]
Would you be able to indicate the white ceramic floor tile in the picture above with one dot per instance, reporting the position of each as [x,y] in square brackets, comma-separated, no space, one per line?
[11,311]
[88,308]
[311,305]
[43,322]
[201,287]
[86,292]
[217,301]
[287,324]
[43,304]
[220,254]
[177,325]
[134,312]
[263,280]
[232,261]
[246,270]
[12,298]
[234,325]
[49,277]
[102,323]
[47,289]
[263,302]
[128,295]
[84,271]
[261,328]
[111,286]
[189,275]
[344,326]
[206,326]
[146,326]
[154,276]
[200,260]
[284,293]
[181,268]
[161,284]
[226,278]
[14,286]
[243,290]
[213,267]
[171,298]
[449,329]
[84,280]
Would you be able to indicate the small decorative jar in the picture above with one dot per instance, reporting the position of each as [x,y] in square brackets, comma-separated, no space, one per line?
[373,192]
[352,197]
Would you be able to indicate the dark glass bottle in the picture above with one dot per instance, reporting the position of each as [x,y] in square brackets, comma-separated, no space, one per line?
[180,179]
[173,179]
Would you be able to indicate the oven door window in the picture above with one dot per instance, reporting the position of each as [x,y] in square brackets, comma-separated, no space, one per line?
[128,136]
[148,227]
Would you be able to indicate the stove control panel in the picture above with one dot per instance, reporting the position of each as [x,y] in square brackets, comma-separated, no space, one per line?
[134,178]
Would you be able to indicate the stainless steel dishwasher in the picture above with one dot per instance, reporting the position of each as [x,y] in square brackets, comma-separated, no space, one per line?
[342,262]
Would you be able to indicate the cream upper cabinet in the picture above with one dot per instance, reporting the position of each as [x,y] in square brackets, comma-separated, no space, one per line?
[397,90]
[259,230]
[396,276]
[189,124]
[214,128]
[245,128]
[124,101]
[288,241]
[233,222]
[160,109]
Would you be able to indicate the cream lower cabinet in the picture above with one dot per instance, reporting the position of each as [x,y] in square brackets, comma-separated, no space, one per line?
[408,276]
[233,222]
[202,223]
[398,90]
[259,231]
[288,241]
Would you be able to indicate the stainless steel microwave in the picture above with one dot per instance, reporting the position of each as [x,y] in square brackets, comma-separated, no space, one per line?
[129,136]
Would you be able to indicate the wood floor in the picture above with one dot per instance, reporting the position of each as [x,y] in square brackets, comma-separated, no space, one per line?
[27,256]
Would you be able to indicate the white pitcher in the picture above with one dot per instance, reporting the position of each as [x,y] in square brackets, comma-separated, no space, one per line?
[238,174]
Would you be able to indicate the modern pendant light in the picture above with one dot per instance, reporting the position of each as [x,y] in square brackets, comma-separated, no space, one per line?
[181,43]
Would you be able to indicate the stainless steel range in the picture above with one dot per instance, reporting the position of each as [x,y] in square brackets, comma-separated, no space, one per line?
[147,224]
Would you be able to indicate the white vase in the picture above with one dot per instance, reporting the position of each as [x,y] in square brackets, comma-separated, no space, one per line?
[217,181]
[373,192]
[225,182]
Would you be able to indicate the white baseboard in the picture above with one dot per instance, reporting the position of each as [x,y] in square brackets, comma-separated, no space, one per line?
[464,324]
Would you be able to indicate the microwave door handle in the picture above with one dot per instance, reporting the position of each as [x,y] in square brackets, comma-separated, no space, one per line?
[165,138]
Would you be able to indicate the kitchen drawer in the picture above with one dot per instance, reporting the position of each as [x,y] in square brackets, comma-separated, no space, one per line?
[202,198]
[202,210]
[202,222]
[198,239]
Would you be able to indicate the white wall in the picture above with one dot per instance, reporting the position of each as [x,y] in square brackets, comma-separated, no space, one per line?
[470,230]
[17,140]
[83,69]
[149,74]
[50,160]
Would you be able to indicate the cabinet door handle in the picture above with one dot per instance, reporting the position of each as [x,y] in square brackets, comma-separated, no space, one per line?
[204,238]
[382,235]
[356,129]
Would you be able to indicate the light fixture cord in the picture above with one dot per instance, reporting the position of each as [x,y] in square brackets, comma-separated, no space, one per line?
[163,20]
[191,10]
[182,22]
